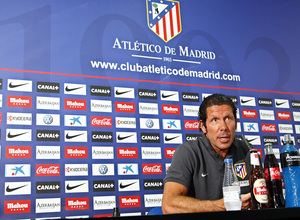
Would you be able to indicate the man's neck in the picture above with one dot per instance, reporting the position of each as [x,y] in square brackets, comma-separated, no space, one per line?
[223,153]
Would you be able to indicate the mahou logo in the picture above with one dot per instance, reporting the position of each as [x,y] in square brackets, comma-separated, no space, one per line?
[47,170]
[98,121]
[18,152]
[19,101]
[77,203]
[152,169]
[248,113]
[75,104]
[130,201]
[268,128]
[169,152]
[76,152]
[284,116]
[191,125]
[127,152]
[170,109]
[103,216]
[16,206]
[125,107]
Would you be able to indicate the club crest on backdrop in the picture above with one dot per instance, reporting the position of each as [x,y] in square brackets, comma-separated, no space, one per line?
[164,18]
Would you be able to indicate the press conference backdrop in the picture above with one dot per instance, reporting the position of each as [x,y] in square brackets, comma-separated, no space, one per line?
[97,95]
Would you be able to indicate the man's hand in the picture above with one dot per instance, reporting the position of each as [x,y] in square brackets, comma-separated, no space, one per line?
[246,200]
[175,201]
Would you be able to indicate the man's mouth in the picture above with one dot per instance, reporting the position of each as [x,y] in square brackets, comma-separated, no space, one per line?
[224,139]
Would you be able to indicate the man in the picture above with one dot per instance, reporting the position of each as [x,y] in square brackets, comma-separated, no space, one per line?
[194,179]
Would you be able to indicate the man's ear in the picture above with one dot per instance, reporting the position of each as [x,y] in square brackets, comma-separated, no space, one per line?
[202,127]
[235,124]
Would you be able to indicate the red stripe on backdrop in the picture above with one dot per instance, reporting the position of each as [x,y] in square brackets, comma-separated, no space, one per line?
[157,28]
[171,23]
[178,17]
[149,81]
[165,28]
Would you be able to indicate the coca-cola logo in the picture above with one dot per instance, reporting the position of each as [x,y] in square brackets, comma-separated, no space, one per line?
[152,169]
[275,173]
[268,128]
[97,121]
[191,125]
[47,170]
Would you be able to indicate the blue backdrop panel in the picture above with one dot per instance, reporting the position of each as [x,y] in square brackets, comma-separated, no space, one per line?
[97,95]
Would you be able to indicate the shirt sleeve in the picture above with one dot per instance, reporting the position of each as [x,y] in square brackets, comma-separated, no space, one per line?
[182,166]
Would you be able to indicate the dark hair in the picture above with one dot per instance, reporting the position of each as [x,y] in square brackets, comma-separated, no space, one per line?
[214,99]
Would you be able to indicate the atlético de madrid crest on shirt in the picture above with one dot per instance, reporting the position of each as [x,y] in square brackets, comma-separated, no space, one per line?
[240,170]
[164,18]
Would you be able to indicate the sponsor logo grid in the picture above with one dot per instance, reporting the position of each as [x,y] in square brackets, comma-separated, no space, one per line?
[89,151]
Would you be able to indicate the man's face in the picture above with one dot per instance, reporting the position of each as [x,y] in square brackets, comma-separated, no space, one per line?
[220,127]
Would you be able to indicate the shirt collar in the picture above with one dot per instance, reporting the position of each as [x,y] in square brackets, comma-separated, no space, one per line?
[210,149]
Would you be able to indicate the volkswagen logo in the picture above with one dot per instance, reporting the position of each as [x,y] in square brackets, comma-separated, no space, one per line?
[48,119]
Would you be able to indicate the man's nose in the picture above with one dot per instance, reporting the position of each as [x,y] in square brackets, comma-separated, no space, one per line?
[223,125]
